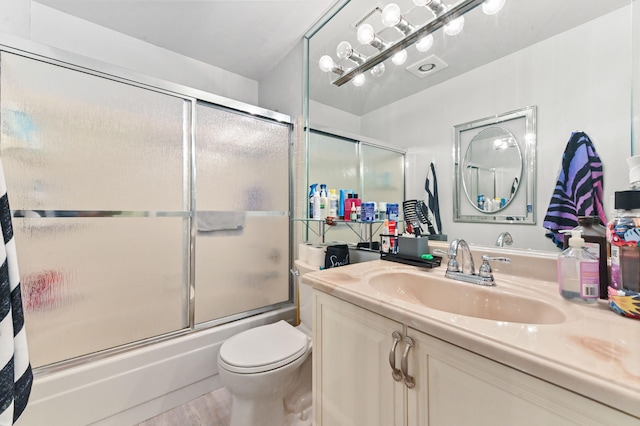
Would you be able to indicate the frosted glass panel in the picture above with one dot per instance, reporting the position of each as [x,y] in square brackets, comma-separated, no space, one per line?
[383,175]
[242,162]
[243,269]
[75,141]
[94,283]
[334,161]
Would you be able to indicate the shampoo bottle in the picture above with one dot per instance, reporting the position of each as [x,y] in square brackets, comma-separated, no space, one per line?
[343,196]
[333,203]
[578,272]
[316,205]
[324,202]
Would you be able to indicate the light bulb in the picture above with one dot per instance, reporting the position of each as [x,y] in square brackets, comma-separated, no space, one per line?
[344,50]
[326,63]
[491,7]
[358,80]
[400,57]
[424,43]
[454,27]
[378,70]
[365,34]
[391,15]
[419,2]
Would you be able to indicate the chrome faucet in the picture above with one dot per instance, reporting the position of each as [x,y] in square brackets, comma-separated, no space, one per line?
[467,258]
[467,272]
[504,238]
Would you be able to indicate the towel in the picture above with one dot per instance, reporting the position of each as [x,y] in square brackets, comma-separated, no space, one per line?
[16,377]
[213,221]
[432,199]
[579,188]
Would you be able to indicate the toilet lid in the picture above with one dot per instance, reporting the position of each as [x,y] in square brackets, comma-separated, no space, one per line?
[264,348]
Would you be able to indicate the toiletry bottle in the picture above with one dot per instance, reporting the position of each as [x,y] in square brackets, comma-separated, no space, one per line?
[312,191]
[623,235]
[333,203]
[358,203]
[382,214]
[386,240]
[578,275]
[353,215]
[393,230]
[324,202]
[347,206]
[343,196]
[316,205]
[595,241]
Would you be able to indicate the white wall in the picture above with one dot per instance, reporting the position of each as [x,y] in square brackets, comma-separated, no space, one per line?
[329,118]
[282,89]
[579,80]
[15,17]
[50,27]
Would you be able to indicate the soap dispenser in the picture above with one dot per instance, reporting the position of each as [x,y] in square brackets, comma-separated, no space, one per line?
[578,272]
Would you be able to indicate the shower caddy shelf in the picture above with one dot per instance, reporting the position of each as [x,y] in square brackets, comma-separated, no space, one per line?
[364,230]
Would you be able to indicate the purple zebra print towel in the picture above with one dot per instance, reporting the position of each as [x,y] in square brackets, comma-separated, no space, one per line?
[579,188]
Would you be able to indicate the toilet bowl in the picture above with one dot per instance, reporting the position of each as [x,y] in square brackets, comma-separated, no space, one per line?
[262,366]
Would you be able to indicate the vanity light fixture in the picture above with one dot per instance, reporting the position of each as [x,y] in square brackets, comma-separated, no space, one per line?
[434,6]
[392,18]
[425,43]
[491,7]
[450,18]
[345,51]
[452,27]
[367,35]
[326,64]
[378,70]
[358,80]
[400,57]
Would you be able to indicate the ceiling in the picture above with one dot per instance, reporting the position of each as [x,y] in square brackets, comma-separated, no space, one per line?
[250,37]
[246,37]
[521,23]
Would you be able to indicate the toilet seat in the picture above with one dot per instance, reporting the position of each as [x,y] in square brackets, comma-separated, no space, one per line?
[264,348]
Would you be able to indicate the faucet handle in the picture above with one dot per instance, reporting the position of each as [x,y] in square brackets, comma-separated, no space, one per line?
[452,265]
[485,269]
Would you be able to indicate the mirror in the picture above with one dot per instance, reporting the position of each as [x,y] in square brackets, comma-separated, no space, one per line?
[494,163]
[491,169]
[570,58]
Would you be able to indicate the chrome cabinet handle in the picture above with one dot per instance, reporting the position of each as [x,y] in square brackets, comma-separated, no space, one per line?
[408,380]
[395,373]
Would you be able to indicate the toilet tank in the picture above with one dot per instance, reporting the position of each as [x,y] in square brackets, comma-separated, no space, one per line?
[304,295]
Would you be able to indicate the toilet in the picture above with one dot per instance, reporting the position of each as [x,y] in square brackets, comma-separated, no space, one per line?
[267,369]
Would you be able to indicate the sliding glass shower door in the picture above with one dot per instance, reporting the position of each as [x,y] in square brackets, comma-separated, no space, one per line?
[101,177]
[242,203]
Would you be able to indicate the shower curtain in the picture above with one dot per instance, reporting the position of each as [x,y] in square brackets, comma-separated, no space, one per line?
[16,377]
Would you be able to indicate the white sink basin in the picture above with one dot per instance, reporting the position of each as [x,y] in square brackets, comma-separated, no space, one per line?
[460,298]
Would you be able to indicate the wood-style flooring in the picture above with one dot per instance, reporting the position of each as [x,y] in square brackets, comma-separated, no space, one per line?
[212,409]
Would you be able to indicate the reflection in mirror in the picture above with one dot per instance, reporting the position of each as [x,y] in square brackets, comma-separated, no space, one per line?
[492,169]
[570,58]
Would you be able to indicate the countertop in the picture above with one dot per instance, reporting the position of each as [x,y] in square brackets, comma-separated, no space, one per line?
[594,352]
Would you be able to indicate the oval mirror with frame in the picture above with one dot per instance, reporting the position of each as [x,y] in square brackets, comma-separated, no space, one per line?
[497,173]
[492,169]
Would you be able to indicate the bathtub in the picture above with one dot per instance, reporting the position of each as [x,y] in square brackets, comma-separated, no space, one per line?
[131,387]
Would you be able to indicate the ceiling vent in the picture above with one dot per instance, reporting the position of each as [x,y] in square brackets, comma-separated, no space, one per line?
[427,66]
[377,9]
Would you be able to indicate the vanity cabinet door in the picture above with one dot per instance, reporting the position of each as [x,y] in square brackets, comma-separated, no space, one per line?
[457,387]
[352,382]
